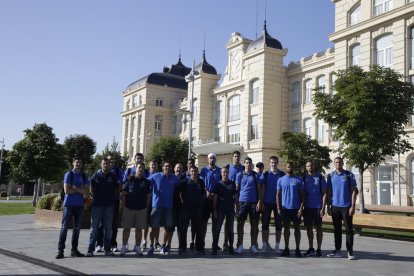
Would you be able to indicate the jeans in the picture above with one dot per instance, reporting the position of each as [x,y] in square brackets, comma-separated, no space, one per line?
[68,212]
[339,214]
[195,217]
[229,226]
[100,235]
[105,215]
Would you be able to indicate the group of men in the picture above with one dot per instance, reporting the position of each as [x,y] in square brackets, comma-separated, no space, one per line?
[173,198]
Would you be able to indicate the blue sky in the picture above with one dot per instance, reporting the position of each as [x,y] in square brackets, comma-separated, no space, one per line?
[66,63]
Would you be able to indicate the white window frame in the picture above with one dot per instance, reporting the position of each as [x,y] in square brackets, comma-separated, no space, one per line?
[296,94]
[295,126]
[383,50]
[158,124]
[382,6]
[218,134]
[218,112]
[254,127]
[412,48]
[254,97]
[233,134]
[308,91]
[195,110]
[321,83]
[234,108]
[158,102]
[355,52]
[355,15]
[321,130]
[412,176]
[307,126]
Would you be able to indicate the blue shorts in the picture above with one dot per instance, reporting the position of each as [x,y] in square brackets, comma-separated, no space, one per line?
[247,208]
[312,217]
[290,215]
[267,214]
[162,217]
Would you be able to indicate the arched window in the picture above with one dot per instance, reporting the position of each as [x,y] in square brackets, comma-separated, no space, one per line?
[296,94]
[307,126]
[254,95]
[234,108]
[355,15]
[308,91]
[383,51]
[355,54]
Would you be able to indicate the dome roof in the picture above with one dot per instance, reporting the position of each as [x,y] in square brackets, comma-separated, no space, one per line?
[264,40]
[205,67]
[171,77]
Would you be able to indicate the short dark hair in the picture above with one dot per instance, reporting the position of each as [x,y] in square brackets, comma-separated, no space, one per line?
[290,163]
[340,158]
[248,159]
[236,152]
[76,158]
[138,154]
[106,160]
[194,168]
[274,157]
[227,167]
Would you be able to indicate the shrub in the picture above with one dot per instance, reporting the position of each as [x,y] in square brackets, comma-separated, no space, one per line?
[3,194]
[57,204]
[46,201]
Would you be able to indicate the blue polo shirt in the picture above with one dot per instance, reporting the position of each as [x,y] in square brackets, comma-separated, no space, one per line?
[341,185]
[211,177]
[163,189]
[313,186]
[131,171]
[269,185]
[290,187]
[104,188]
[77,181]
[233,171]
[248,186]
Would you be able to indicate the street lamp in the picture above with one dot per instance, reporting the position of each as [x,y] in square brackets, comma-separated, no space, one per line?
[191,77]
[1,163]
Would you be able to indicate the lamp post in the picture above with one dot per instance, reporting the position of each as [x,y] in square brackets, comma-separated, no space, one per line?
[191,77]
[399,172]
[1,163]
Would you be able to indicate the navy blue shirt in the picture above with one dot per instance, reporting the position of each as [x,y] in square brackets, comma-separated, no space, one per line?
[225,192]
[192,194]
[136,193]
[104,187]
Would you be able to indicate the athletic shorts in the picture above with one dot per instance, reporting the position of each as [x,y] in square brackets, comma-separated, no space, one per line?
[134,218]
[290,215]
[267,214]
[247,208]
[162,217]
[312,217]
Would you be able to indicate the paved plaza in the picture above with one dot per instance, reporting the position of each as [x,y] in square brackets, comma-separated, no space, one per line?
[29,249]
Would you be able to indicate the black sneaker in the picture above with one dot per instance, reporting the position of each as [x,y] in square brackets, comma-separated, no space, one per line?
[157,245]
[318,253]
[200,252]
[298,254]
[285,253]
[192,245]
[76,253]
[181,251]
[231,250]
[310,252]
[59,255]
[214,252]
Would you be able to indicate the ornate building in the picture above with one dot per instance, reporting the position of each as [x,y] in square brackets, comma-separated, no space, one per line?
[257,97]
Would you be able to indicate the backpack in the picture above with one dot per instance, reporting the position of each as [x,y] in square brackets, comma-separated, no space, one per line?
[71,176]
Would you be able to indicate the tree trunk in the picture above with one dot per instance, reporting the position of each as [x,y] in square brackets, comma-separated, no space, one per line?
[361,192]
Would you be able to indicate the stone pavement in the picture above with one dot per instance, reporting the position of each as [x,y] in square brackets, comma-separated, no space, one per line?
[29,249]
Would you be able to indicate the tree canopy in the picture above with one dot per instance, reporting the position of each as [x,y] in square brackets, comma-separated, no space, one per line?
[37,155]
[300,148]
[113,150]
[171,149]
[81,146]
[368,112]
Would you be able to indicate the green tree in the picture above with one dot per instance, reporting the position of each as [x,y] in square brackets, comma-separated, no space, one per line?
[81,146]
[38,156]
[171,149]
[368,113]
[300,148]
[113,150]
[5,168]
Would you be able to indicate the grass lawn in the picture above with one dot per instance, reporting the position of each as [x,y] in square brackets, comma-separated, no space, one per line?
[16,209]
[16,198]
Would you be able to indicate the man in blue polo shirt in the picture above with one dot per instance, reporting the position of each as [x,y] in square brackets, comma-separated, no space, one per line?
[75,185]
[104,187]
[315,189]
[139,159]
[249,188]
[290,199]
[163,186]
[211,175]
[343,191]
[269,186]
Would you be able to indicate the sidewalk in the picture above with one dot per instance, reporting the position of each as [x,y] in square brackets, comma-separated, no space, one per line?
[19,234]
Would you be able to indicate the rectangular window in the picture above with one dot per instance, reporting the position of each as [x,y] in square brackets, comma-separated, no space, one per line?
[233,134]
[384,51]
[355,53]
[355,16]
[157,126]
[234,108]
[218,134]
[321,130]
[134,101]
[382,6]
[308,127]
[295,126]
[193,135]
[255,93]
[218,112]
[321,84]
[296,94]
[308,91]
[412,49]
[140,100]
[195,110]
[158,102]
[254,127]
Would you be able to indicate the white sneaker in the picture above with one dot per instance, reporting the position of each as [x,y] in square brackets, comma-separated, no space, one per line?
[124,250]
[253,249]
[98,248]
[351,257]
[138,251]
[277,250]
[115,249]
[265,247]
[239,249]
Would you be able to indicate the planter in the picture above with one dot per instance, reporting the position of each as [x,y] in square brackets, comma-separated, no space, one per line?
[53,219]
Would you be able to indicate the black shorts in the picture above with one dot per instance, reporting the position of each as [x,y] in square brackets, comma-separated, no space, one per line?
[290,215]
[267,214]
[312,217]
[247,208]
